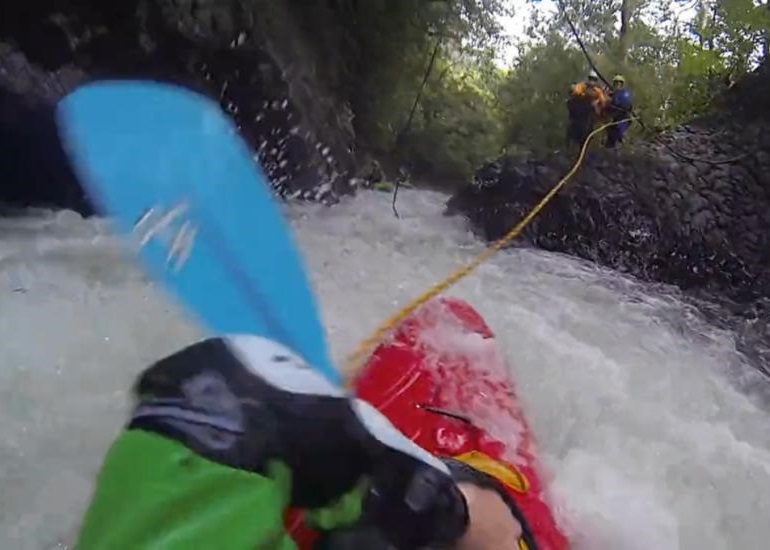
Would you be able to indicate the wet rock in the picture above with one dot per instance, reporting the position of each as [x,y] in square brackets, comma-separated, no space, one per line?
[234,52]
[690,208]
[34,168]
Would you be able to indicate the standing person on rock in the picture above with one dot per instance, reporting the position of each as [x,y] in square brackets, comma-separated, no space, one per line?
[586,103]
[619,108]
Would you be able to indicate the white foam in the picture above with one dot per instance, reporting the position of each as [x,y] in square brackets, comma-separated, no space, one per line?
[634,400]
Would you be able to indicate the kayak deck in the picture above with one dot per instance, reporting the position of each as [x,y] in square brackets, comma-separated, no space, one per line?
[442,381]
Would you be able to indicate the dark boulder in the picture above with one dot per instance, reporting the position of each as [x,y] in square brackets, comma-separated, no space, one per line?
[33,166]
[235,52]
[690,208]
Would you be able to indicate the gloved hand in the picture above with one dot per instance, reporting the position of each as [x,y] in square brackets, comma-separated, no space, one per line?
[244,401]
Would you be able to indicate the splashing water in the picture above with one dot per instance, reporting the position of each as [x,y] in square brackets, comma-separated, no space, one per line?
[475,378]
[654,431]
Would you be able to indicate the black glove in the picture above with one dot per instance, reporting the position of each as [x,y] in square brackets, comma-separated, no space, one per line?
[244,400]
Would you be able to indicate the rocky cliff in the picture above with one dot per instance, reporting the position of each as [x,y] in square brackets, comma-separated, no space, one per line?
[250,56]
[691,207]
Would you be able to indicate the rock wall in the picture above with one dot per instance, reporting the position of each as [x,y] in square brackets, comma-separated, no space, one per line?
[249,55]
[33,166]
[690,208]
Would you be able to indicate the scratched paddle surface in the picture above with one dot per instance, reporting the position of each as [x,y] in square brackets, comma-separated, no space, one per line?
[168,165]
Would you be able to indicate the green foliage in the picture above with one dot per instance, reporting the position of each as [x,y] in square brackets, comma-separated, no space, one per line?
[426,92]
[534,94]
[458,125]
[440,117]
[675,68]
[695,82]
[732,29]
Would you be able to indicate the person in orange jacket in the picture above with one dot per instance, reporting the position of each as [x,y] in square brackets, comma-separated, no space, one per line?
[587,103]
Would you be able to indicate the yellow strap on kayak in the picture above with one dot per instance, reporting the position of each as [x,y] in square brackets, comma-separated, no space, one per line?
[357,359]
[502,472]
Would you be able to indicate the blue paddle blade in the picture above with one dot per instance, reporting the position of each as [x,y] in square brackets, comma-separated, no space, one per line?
[168,165]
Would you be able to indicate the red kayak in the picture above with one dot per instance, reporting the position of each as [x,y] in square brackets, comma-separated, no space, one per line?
[442,380]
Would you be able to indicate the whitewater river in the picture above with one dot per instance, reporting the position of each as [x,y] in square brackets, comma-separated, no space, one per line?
[651,426]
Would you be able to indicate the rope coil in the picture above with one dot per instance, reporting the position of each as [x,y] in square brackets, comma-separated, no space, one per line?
[357,360]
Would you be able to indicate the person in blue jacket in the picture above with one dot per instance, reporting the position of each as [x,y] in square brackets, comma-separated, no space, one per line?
[620,108]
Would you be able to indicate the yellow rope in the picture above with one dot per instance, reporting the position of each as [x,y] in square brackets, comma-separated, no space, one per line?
[358,358]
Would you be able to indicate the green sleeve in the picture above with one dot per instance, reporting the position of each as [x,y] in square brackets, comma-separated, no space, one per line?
[342,513]
[153,492]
